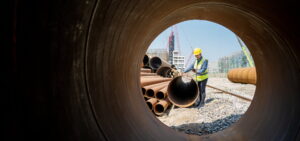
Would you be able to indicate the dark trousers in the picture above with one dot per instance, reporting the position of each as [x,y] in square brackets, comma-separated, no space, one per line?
[202,94]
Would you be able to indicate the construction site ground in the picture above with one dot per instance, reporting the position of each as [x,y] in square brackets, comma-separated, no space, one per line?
[219,112]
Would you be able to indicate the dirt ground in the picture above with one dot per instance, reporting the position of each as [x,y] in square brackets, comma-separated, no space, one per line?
[219,112]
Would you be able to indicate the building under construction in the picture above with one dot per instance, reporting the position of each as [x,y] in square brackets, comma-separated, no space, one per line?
[178,60]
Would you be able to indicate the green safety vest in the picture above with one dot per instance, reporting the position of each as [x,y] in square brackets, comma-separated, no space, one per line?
[197,66]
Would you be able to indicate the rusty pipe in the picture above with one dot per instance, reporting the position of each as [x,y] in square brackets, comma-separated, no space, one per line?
[156,62]
[146,88]
[149,81]
[155,76]
[164,71]
[145,70]
[146,98]
[183,91]
[147,74]
[146,60]
[242,75]
[150,102]
[160,107]
[162,93]
[151,91]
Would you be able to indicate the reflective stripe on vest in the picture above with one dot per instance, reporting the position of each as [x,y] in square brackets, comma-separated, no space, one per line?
[197,66]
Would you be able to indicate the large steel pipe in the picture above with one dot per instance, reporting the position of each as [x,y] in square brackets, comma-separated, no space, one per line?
[156,62]
[164,71]
[182,91]
[74,69]
[242,75]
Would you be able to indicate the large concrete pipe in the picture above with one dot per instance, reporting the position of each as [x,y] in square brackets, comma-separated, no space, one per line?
[156,62]
[164,71]
[242,75]
[182,91]
[76,66]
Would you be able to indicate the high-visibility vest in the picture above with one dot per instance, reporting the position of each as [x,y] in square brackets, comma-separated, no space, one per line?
[197,66]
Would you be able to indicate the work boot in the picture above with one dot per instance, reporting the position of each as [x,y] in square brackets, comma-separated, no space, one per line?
[200,105]
[197,103]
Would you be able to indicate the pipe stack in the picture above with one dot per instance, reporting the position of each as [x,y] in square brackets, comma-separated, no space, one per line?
[242,75]
[154,85]
[151,86]
[160,89]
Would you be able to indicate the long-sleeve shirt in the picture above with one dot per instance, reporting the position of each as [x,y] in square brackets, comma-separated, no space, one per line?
[203,67]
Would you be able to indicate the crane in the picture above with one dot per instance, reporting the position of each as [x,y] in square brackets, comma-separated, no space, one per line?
[246,53]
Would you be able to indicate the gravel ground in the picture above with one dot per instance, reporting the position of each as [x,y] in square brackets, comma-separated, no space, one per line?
[220,110]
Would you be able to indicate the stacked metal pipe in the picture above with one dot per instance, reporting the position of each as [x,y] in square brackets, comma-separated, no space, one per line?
[242,75]
[154,89]
[163,88]
[154,85]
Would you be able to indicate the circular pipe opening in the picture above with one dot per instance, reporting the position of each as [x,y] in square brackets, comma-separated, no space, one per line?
[183,91]
[146,60]
[164,71]
[83,67]
[111,42]
[149,105]
[159,108]
[155,62]
[160,95]
[150,93]
[143,91]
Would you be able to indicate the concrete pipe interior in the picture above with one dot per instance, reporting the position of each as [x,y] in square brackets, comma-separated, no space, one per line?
[79,62]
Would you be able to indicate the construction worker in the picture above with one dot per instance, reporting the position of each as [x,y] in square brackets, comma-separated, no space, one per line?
[199,67]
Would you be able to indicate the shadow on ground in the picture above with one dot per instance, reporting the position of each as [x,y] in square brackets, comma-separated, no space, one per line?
[209,100]
[208,128]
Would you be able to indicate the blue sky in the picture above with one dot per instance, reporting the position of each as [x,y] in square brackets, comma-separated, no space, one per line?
[215,40]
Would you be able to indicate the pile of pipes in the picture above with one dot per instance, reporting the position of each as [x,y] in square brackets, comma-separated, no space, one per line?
[161,87]
[154,89]
[158,66]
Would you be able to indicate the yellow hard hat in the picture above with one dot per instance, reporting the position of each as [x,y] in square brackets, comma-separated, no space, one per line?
[197,51]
